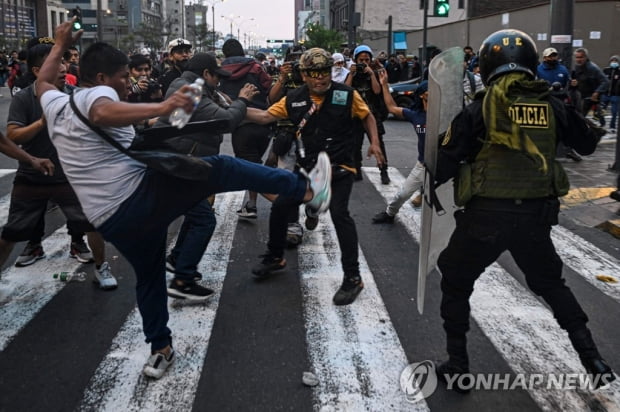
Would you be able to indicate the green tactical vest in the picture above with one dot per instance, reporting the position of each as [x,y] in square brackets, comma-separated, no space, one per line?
[501,172]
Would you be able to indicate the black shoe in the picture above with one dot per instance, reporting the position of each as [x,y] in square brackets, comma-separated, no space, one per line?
[454,371]
[348,291]
[573,155]
[383,217]
[600,373]
[385,179]
[615,195]
[268,265]
[171,264]
[312,219]
[185,290]
[293,240]
[247,212]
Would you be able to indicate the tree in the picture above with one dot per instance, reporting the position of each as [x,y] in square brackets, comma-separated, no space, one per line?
[319,36]
[201,36]
[151,36]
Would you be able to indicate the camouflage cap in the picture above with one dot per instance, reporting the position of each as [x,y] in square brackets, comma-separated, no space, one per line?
[315,58]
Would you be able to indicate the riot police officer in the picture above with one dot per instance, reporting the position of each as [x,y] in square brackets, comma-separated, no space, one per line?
[501,151]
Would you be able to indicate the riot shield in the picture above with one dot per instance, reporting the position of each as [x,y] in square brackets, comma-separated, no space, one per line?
[445,101]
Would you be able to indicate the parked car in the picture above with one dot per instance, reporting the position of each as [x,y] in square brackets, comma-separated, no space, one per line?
[402,92]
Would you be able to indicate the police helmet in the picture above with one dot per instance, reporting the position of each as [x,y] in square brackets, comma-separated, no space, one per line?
[315,59]
[361,49]
[507,51]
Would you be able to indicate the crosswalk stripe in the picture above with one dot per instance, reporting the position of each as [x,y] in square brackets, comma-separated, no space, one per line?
[354,350]
[6,172]
[519,326]
[5,202]
[24,291]
[118,383]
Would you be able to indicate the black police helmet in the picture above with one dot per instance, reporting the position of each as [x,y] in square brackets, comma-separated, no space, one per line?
[507,51]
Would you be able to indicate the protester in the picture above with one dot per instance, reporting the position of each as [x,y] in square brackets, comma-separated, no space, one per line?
[329,110]
[130,204]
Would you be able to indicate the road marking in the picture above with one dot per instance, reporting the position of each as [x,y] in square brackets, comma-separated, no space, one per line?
[118,383]
[5,202]
[24,291]
[354,350]
[521,328]
[6,172]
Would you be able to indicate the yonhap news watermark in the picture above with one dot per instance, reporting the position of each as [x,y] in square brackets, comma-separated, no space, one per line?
[419,380]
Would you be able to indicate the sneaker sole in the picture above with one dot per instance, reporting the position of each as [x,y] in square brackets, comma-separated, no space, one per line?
[174,293]
[111,287]
[81,259]
[29,262]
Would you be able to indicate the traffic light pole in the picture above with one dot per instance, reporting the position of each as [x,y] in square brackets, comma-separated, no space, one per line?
[99,22]
[424,35]
[562,29]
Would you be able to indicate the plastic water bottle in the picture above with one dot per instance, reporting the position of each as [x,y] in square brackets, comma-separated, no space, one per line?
[70,277]
[180,117]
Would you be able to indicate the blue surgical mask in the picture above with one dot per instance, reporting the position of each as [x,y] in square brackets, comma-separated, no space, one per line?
[614,65]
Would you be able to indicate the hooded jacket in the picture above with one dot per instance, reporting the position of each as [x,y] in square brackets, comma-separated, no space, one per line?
[246,70]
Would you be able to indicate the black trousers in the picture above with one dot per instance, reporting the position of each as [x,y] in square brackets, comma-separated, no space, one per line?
[344,224]
[478,240]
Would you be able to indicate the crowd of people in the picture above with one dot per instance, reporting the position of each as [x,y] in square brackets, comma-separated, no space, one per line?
[309,117]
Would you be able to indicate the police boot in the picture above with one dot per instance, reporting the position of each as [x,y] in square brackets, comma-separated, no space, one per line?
[456,369]
[600,373]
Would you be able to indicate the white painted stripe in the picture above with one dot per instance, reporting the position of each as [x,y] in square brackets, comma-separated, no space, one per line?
[118,383]
[6,172]
[5,202]
[587,260]
[521,328]
[24,291]
[354,350]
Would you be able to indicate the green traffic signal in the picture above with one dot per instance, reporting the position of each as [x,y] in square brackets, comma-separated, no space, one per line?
[77,13]
[442,8]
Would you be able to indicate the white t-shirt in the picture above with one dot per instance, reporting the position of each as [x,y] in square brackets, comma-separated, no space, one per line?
[100,174]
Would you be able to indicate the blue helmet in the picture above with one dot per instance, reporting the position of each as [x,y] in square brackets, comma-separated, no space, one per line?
[361,49]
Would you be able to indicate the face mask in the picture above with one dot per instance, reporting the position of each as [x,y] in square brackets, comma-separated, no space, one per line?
[552,63]
[614,65]
[337,69]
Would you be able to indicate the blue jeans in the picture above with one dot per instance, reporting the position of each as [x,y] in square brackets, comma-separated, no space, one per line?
[138,229]
[193,239]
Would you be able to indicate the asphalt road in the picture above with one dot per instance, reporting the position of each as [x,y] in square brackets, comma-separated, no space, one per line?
[73,347]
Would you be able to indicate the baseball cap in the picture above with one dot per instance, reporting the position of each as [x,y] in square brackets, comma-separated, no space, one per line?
[549,51]
[205,61]
[179,43]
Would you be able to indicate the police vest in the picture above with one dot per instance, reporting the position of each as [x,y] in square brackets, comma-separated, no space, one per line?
[331,128]
[503,173]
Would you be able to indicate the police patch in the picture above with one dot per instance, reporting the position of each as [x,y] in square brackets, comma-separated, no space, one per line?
[340,97]
[530,115]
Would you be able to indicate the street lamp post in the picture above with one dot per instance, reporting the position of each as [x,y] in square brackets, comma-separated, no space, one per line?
[231,19]
[212,4]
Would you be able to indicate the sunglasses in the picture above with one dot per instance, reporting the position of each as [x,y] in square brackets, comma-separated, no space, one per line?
[315,74]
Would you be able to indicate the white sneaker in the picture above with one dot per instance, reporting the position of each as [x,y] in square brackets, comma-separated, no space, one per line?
[320,182]
[157,364]
[104,277]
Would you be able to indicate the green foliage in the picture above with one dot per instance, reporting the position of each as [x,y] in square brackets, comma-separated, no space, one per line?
[319,36]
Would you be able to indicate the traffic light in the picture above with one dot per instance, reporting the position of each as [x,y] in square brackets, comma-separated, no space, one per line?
[77,24]
[442,8]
